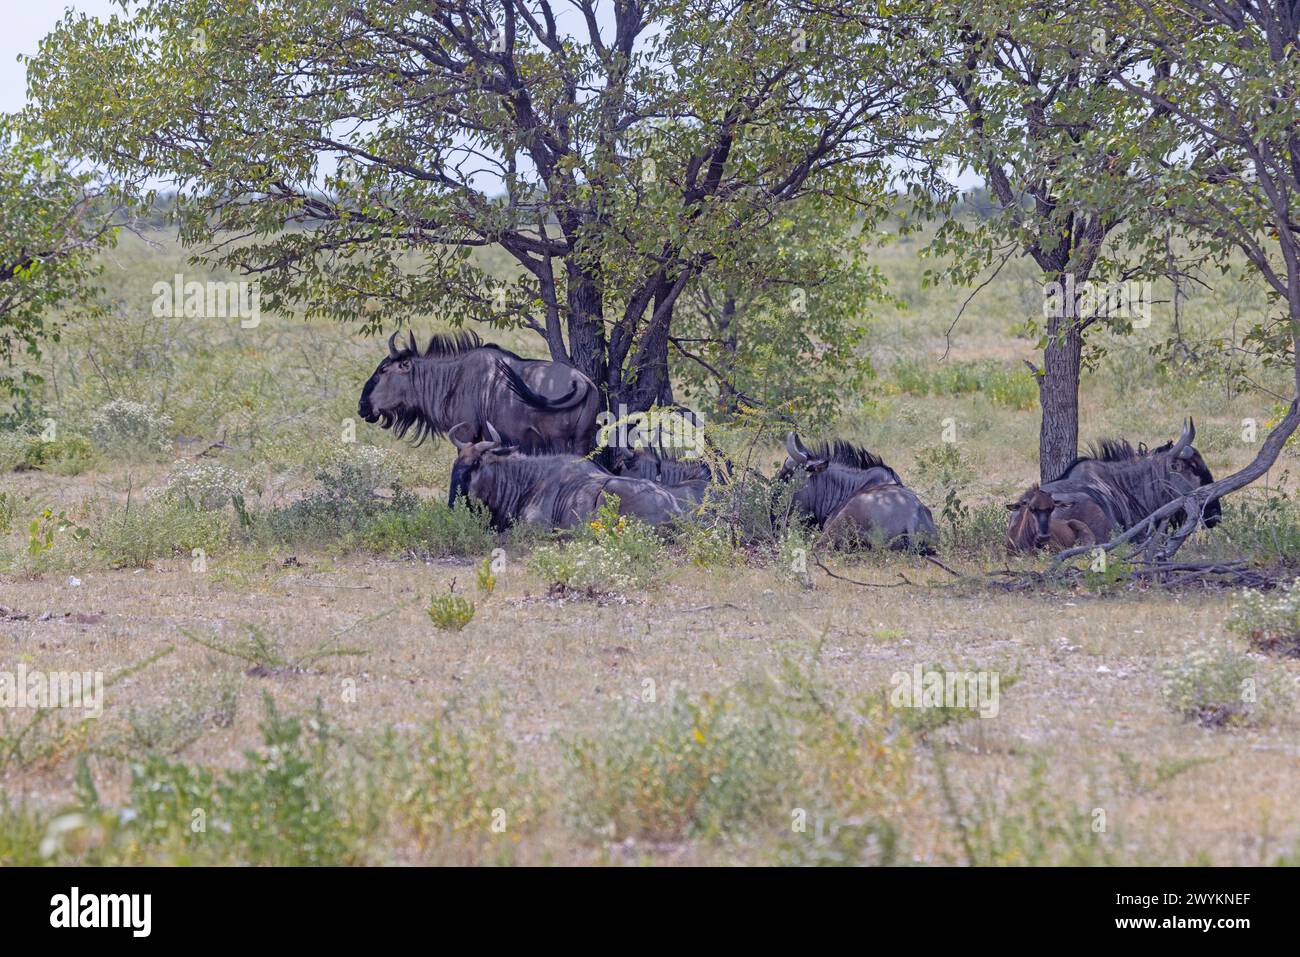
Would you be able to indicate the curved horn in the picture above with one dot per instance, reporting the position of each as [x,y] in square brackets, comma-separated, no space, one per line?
[807,453]
[451,434]
[415,348]
[493,433]
[1181,447]
[793,450]
[392,346]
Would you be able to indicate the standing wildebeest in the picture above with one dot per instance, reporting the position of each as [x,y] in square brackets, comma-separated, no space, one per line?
[554,490]
[459,378]
[1117,486]
[1034,526]
[852,493]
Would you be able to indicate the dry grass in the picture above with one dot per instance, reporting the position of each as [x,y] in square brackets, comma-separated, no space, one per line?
[1084,729]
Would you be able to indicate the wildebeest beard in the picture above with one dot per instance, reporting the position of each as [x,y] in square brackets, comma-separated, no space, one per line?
[1129,484]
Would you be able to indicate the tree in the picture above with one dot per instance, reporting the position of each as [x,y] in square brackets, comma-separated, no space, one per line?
[781,327]
[618,155]
[1223,160]
[1026,110]
[53,222]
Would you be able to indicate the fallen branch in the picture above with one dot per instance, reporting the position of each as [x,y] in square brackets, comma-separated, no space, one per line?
[853,581]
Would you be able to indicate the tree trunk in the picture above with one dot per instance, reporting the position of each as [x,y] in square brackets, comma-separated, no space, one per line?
[587,348]
[1058,395]
[650,383]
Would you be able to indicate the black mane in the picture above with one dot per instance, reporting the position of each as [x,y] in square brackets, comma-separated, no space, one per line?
[1114,450]
[448,345]
[846,453]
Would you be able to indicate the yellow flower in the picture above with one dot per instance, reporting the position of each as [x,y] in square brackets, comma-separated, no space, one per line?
[699,736]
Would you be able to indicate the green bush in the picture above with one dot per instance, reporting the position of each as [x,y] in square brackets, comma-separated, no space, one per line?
[450,612]
[611,554]
[429,529]
[288,806]
[1214,688]
[143,531]
[711,767]
[130,428]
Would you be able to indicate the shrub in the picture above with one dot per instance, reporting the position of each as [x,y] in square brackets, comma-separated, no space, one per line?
[450,612]
[1270,622]
[461,782]
[204,485]
[344,499]
[711,767]
[145,530]
[706,545]
[123,426]
[429,529]
[1215,688]
[612,554]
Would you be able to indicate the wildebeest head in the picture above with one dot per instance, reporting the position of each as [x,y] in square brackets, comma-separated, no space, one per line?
[834,472]
[1031,515]
[470,456]
[391,395]
[1188,461]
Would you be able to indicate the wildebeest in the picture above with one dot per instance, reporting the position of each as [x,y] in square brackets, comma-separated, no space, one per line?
[1116,486]
[1034,526]
[686,479]
[850,492]
[552,489]
[459,378]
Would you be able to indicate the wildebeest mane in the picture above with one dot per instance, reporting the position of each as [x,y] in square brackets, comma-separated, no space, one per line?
[852,456]
[448,345]
[1114,450]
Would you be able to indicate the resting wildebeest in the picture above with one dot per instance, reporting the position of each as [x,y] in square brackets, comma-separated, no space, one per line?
[1034,526]
[459,378]
[551,489]
[1116,486]
[850,492]
[686,479]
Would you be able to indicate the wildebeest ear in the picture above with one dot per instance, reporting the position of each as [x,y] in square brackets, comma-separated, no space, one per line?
[1013,506]
[816,465]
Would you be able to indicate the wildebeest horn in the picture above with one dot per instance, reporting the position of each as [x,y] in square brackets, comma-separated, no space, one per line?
[794,449]
[451,434]
[493,433]
[415,348]
[1182,448]
[392,345]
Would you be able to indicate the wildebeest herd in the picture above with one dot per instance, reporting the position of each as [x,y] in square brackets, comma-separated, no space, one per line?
[526,436]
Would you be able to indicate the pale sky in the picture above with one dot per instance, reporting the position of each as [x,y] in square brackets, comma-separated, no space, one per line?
[27,21]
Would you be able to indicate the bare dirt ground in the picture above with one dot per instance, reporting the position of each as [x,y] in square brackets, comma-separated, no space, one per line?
[1087,702]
